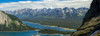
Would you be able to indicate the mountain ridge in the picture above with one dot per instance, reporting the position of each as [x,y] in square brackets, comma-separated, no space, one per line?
[61,13]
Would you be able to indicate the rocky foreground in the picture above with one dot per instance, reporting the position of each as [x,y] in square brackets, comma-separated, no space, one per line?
[91,22]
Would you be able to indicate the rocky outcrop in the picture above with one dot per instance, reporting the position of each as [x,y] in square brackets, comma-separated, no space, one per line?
[91,22]
[11,23]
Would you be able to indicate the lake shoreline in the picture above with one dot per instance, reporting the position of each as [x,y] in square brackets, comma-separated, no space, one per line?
[29,32]
[53,26]
[60,27]
[36,29]
[54,34]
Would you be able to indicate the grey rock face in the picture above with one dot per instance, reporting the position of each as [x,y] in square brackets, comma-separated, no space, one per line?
[11,23]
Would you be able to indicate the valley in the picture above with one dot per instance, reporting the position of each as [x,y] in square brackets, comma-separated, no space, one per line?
[60,17]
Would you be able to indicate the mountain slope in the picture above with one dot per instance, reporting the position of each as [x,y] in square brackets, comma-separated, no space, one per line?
[11,23]
[91,22]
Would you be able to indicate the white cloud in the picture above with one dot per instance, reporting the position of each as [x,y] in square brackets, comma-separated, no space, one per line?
[80,0]
[25,2]
[45,4]
[66,0]
[50,0]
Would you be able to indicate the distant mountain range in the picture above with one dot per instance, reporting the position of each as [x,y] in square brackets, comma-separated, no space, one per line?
[60,13]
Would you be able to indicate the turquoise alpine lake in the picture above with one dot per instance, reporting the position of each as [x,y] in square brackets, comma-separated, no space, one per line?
[34,33]
[26,33]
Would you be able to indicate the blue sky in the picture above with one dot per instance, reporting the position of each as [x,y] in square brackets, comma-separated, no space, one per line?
[7,1]
[39,4]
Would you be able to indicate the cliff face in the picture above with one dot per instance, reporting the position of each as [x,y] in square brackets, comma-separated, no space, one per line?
[91,22]
[11,23]
[4,18]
